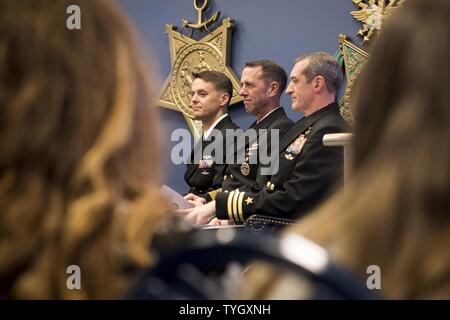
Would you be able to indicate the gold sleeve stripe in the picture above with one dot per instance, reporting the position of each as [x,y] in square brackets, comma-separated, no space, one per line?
[235,211]
[213,194]
[230,197]
[240,200]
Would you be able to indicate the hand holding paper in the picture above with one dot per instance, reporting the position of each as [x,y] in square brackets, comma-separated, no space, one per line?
[177,201]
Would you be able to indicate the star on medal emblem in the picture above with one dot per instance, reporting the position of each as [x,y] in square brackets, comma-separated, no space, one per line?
[187,55]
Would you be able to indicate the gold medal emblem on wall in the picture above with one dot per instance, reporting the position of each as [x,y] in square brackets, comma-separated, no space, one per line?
[187,55]
[245,169]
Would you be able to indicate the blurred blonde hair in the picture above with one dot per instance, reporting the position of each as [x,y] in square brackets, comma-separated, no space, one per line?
[394,211]
[79,172]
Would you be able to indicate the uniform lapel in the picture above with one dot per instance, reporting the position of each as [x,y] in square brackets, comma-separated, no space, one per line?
[223,123]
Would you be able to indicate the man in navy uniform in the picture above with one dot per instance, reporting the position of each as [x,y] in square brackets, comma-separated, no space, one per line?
[211,93]
[263,83]
[308,171]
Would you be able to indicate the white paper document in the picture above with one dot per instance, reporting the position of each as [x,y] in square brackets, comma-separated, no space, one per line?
[177,202]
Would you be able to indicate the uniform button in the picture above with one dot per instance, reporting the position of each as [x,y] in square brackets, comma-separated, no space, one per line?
[225,177]
[231,176]
[268,184]
[272,186]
